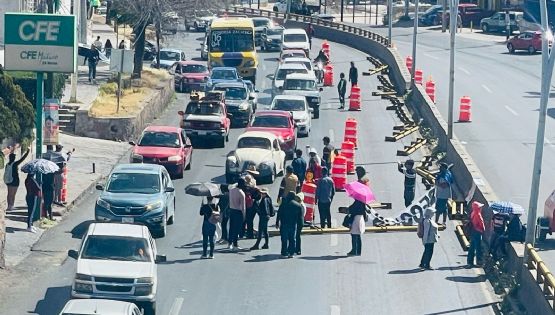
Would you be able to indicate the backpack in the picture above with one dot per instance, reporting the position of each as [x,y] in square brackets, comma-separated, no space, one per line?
[8,177]
[215,217]
[420,229]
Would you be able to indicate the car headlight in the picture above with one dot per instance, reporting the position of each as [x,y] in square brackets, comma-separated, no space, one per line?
[103,203]
[147,280]
[187,124]
[143,290]
[83,287]
[249,63]
[244,106]
[174,158]
[82,277]
[154,205]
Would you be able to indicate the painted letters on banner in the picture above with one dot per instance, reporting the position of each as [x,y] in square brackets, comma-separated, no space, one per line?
[411,215]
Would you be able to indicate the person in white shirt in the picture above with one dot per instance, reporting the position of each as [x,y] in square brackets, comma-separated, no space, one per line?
[237,210]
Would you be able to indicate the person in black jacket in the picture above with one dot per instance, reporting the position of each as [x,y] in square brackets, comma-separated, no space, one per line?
[223,204]
[265,210]
[208,228]
[11,177]
[290,214]
[342,89]
[353,74]
[410,180]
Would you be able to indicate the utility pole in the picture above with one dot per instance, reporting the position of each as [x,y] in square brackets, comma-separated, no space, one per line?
[390,20]
[75,74]
[443,13]
[342,6]
[415,32]
[453,31]
[354,10]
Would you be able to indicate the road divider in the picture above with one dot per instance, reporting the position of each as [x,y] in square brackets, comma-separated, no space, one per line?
[414,145]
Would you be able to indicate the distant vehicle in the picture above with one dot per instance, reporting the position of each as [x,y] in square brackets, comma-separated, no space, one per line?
[292,53]
[312,6]
[260,149]
[170,22]
[252,92]
[260,24]
[222,74]
[138,193]
[100,306]
[164,145]
[204,49]
[238,101]
[150,51]
[496,22]
[529,41]
[199,20]
[468,13]
[282,71]
[281,124]
[206,117]
[299,60]
[295,38]
[271,38]
[190,75]
[304,85]
[117,261]
[297,105]
[168,57]
[430,16]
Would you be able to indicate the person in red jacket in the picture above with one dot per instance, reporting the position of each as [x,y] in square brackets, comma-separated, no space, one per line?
[477,229]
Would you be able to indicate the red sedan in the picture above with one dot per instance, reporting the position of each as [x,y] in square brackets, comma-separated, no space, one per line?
[529,41]
[164,145]
[190,75]
[281,124]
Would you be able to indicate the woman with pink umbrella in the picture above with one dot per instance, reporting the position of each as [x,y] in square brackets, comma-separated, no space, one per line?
[357,215]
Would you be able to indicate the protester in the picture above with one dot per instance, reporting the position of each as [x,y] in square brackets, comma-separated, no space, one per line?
[300,199]
[236,213]
[353,74]
[429,234]
[251,195]
[342,90]
[322,57]
[211,214]
[92,59]
[108,48]
[121,44]
[410,180]
[48,194]
[97,44]
[444,179]
[325,191]
[31,198]
[361,175]
[265,210]
[11,177]
[498,238]
[299,166]
[289,183]
[327,152]
[223,204]
[357,211]
[58,176]
[289,216]
[477,229]
[310,33]
[314,165]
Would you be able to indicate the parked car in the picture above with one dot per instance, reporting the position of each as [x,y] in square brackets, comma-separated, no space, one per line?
[199,20]
[253,92]
[260,24]
[150,51]
[206,118]
[100,306]
[222,74]
[137,193]
[295,38]
[190,75]
[281,72]
[164,145]
[297,105]
[271,38]
[529,41]
[304,85]
[170,22]
[117,261]
[260,149]
[168,57]
[496,22]
[430,16]
[468,12]
[238,101]
[281,124]
[204,49]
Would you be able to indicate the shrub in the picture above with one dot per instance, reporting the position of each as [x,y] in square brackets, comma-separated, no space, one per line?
[16,112]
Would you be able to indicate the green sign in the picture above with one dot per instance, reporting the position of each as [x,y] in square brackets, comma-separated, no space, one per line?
[39,42]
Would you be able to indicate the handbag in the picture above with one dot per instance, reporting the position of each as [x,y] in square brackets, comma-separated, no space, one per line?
[348,220]
[215,217]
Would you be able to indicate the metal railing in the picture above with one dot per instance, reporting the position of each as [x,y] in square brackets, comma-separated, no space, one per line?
[316,21]
[540,272]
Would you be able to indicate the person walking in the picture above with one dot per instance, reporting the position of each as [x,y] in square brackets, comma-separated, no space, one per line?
[407,169]
[507,25]
[92,59]
[444,179]
[97,43]
[299,166]
[108,48]
[31,198]
[325,191]
[342,90]
[289,183]
[361,175]
[60,160]
[223,204]
[314,165]
[300,199]
[211,214]
[327,152]
[11,177]
[353,74]
[310,34]
[357,211]
[428,232]
[236,213]
[477,229]
[289,216]
[265,210]
[121,44]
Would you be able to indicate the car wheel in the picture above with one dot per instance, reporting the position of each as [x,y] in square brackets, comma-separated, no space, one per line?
[485,28]
[275,9]
[163,231]
[181,87]
[227,137]
[511,48]
[316,113]
[190,162]
[531,50]
[150,308]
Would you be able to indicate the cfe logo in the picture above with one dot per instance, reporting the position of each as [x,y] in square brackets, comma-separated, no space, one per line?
[48,31]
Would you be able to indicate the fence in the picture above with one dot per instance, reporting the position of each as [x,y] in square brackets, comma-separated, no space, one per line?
[544,278]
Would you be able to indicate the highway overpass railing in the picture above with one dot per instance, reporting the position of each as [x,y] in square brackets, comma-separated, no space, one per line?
[542,276]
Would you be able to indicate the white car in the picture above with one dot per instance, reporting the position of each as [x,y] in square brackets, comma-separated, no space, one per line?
[260,149]
[117,261]
[298,106]
[98,306]
[303,85]
[281,73]
[168,57]
[303,61]
[295,38]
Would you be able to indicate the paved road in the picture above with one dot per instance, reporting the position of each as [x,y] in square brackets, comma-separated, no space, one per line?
[384,280]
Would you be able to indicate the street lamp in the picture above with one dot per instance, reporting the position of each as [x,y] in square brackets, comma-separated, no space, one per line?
[390,20]
[413,68]
[453,14]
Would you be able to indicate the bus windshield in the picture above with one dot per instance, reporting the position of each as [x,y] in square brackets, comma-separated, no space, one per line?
[231,40]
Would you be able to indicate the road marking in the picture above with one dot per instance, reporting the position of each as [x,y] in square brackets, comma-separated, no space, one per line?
[335,310]
[176,306]
[486,88]
[547,141]
[464,70]
[432,57]
[332,135]
[512,111]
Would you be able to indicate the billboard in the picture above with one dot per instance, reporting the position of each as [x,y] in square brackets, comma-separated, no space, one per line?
[51,123]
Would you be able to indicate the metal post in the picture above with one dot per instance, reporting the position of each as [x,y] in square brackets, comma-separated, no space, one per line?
[548,61]
[354,11]
[258,7]
[326,7]
[83,21]
[75,74]
[365,12]
[390,20]
[443,13]
[413,68]
[342,7]
[376,12]
[453,31]
[39,113]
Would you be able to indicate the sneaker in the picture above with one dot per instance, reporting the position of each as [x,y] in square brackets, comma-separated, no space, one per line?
[238,248]
[211,257]
[230,247]
[203,257]
[298,253]
[290,256]
[32,229]
[265,246]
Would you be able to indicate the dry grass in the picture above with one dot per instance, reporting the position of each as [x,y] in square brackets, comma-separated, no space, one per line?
[132,100]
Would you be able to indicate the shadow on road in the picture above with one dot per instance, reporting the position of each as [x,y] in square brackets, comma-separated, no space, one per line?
[463,309]
[451,268]
[464,279]
[179,261]
[405,272]
[326,257]
[80,229]
[53,301]
[196,244]
[263,258]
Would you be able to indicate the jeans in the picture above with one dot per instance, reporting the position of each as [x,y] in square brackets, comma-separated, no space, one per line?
[249,220]
[408,195]
[325,215]
[206,239]
[441,209]
[92,71]
[31,206]
[287,233]
[298,239]
[342,99]
[262,231]
[225,220]
[475,249]
[48,196]
[427,255]
[356,242]
[235,225]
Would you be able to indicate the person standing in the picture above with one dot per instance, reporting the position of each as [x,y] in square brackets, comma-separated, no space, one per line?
[108,48]
[48,194]
[507,24]
[300,199]
[211,214]
[11,177]
[251,195]
[289,183]
[236,213]
[314,165]
[92,59]
[327,152]
[223,204]
[121,44]
[357,210]
[265,210]
[289,216]
[410,180]
[31,198]
[299,166]
[342,90]
[325,191]
[60,160]
[429,237]
[310,33]
[361,175]
[477,229]
[353,74]
[97,43]
[444,179]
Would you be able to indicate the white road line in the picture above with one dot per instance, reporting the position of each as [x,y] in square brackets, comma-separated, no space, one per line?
[464,70]
[431,56]
[176,306]
[331,135]
[335,310]
[547,141]
[512,111]
[486,88]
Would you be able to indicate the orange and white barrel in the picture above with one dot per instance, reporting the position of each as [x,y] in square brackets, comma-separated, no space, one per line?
[309,191]
[348,151]
[339,172]
[351,131]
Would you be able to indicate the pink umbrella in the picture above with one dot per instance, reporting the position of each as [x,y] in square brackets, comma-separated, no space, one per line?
[360,192]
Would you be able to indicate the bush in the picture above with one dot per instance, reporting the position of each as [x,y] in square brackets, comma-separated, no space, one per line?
[108,88]
[28,83]
[16,112]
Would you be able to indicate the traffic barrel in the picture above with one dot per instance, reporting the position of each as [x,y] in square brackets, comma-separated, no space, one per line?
[418,76]
[464,109]
[431,89]
[351,131]
[339,172]
[408,63]
[326,48]
[354,101]
[63,195]
[348,151]
[328,75]
[309,191]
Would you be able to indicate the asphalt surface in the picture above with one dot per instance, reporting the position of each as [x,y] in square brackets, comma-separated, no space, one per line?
[384,280]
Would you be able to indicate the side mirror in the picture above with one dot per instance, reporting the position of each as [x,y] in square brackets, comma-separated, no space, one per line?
[99,187]
[72,253]
[229,115]
[160,259]
[181,113]
[321,89]
[170,189]
[311,110]
[188,145]
[132,143]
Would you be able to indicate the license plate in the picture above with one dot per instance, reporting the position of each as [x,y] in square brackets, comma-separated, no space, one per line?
[201,133]
[127,220]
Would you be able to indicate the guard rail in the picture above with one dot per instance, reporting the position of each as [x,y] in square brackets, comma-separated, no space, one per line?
[544,278]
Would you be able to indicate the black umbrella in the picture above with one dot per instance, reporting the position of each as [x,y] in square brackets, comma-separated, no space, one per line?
[203,189]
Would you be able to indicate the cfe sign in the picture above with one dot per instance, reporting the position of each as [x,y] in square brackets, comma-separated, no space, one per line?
[39,42]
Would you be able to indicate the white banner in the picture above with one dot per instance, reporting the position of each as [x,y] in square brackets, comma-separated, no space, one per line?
[411,215]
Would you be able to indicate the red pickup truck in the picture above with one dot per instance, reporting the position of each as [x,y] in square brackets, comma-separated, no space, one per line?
[468,12]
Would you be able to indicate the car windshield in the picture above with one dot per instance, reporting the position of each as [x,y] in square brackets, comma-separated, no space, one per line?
[297,84]
[271,122]
[193,68]
[202,108]
[233,93]
[307,64]
[289,105]
[260,22]
[294,38]
[252,142]
[203,13]
[159,139]
[274,31]
[231,40]
[116,248]
[136,183]
[282,73]
[169,55]
[224,75]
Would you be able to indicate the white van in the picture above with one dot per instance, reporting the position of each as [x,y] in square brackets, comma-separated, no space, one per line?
[295,38]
